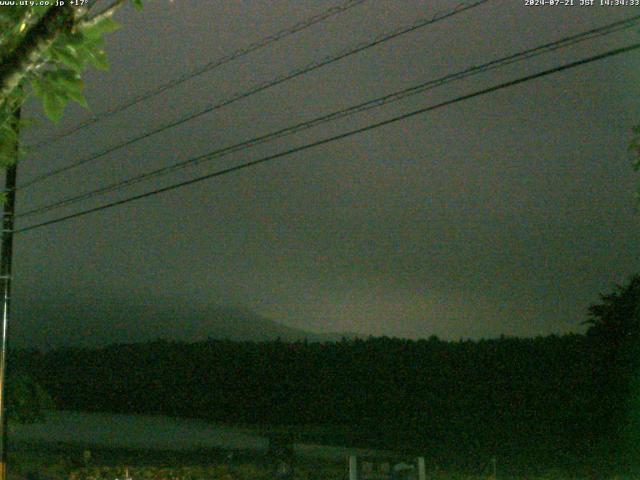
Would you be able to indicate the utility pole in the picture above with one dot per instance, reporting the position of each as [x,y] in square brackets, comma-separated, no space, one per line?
[5,290]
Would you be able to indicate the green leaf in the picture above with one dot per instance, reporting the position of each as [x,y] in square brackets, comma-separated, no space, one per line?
[52,83]
[54,105]
[37,86]
[79,98]
[8,141]
[68,55]
[48,83]
[96,30]
[92,43]
[137,4]
[69,80]
[98,58]
[69,83]
[76,38]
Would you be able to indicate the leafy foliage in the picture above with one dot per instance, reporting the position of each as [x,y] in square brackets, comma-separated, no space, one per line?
[459,401]
[8,137]
[538,401]
[56,75]
[27,400]
[615,328]
[617,317]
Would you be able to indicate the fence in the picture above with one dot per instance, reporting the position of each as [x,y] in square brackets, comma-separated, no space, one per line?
[377,468]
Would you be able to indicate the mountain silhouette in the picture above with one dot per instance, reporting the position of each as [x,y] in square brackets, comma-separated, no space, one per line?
[85,322]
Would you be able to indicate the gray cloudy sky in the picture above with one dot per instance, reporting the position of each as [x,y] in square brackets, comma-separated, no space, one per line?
[507,213]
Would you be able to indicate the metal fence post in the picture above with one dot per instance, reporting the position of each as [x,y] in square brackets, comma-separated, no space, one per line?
[353,468]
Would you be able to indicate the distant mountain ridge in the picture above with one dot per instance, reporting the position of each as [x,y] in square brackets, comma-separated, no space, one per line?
[85,323]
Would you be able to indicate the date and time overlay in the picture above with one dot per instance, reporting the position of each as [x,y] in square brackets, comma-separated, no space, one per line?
[581,3]
[526,3]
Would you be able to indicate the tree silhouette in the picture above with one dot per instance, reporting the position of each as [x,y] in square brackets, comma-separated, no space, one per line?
[615,335]
[617,317]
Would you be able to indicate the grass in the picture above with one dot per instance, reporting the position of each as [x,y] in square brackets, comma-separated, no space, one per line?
[46,461]
[66,462]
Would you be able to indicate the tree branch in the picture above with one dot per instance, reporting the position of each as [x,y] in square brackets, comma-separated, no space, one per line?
[106,13]
[34,44]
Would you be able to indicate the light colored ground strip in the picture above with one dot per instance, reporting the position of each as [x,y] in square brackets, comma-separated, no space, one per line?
[157,432]
[135,431]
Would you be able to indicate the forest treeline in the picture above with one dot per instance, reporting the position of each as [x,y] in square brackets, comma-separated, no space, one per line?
[563,398]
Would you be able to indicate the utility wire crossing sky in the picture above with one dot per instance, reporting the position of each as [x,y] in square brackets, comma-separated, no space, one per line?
[506,212]
[420,111]
[375,103]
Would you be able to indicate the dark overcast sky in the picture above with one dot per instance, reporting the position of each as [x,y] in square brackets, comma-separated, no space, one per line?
[507,213]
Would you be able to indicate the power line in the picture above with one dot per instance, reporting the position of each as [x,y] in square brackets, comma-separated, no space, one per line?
[253,47]
[341,136]
[370,104]
[423,22]
[563,43]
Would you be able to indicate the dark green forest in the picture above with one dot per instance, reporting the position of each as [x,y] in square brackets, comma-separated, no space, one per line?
[562,400]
